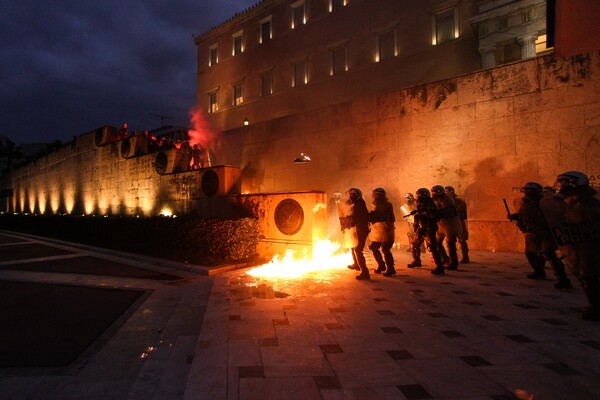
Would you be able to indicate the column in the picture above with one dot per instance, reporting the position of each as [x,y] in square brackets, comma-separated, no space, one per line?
[488,55]
[527,46]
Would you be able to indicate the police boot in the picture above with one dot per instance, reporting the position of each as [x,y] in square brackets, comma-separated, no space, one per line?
[380,268]
[465,253]
[559,271]
[364,271]
[416,253]
[537,263]
[591,288]
[390,271]
[439,270]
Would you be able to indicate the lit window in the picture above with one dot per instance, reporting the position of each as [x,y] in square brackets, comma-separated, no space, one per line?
[265,30]
[336,4]
[386,45]
[300,74]
[266,84]
[238,43]
[445,26]
[213,105]
[298,14]
[214,55]
[339,61]
[238,94]
[541,44]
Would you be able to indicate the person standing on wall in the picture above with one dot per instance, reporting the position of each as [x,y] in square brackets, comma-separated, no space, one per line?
[461,210]
[449,226]
[573,216]
[382,232]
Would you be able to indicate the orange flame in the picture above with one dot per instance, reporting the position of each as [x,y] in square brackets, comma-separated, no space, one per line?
[326,255]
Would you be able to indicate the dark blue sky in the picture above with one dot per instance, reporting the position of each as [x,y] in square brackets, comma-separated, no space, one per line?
[70,66]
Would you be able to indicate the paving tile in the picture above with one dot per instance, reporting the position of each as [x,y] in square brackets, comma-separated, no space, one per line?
[561,369]
[555,321]
[327,382]
[452,334]
[331,348]
[526,306]
[414,392]
[266,342]
[520,338]
[437,315]
[391,329]
[400,354]
[252,371]
[476,361]
[594,344]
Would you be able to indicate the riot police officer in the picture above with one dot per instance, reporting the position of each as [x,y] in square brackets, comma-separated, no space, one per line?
[449,226]
[574,217]
[382,232]
[461,210]
[360,220]
[425,230]
[539,243]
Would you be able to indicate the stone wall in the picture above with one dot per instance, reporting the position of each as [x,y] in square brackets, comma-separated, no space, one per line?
[84,178]
[485,133]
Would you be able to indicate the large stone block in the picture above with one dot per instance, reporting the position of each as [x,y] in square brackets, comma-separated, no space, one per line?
[515,79]
[475,87]
[560,71]
[526,103]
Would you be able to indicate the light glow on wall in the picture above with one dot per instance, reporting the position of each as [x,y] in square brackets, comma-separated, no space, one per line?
[69,196]
[42,201]
[54,199]
[166,212]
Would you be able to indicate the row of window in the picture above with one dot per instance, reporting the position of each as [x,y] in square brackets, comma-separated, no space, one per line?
[444,29]
[266,30]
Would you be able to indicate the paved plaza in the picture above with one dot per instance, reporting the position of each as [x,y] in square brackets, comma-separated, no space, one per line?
[189,332]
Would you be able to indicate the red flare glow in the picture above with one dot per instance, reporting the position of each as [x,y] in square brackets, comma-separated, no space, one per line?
[201,133]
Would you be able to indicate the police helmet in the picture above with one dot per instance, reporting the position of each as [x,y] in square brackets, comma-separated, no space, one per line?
[379,191]
[449,189]
[354,193]
[532,186]
[423,193]
[574,178]
[437,190]
[409,197]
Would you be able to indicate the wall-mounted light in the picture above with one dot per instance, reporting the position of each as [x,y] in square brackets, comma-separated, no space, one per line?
[246,122]
[302,158]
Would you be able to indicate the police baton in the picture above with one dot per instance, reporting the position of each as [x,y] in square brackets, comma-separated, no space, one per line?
[506,206]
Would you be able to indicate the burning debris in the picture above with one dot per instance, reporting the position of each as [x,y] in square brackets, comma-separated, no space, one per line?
[326,255]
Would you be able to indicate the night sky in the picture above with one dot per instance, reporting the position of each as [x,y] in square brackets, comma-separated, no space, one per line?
[70,66]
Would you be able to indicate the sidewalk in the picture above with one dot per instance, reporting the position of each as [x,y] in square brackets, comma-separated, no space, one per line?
[483,332]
